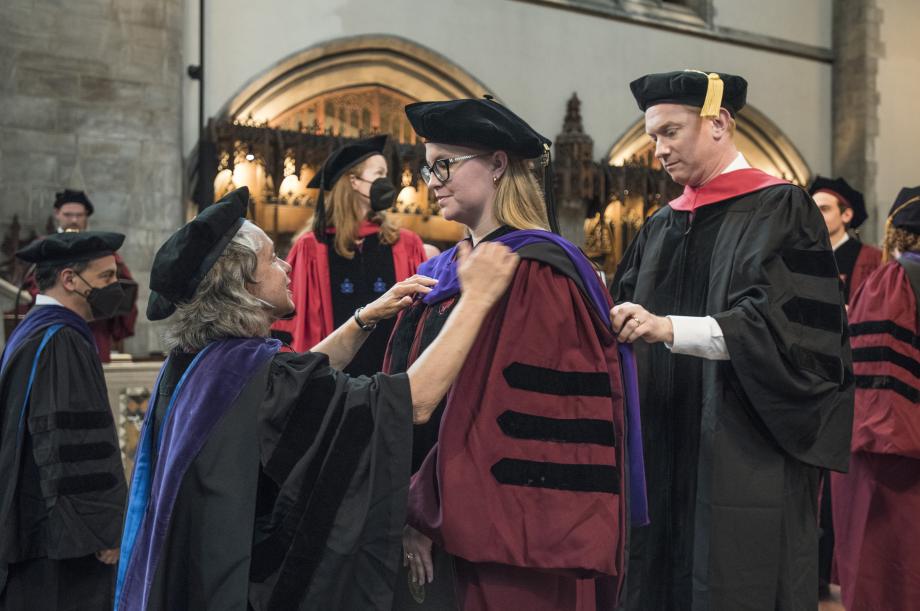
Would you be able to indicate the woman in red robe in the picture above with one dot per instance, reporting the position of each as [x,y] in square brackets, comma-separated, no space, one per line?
[519,496]
[350,252]
[877,504]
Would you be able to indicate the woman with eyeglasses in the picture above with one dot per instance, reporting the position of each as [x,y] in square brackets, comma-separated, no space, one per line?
[350,253]
[516,498]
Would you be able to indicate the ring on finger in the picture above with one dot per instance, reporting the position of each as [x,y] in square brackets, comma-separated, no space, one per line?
[410,555]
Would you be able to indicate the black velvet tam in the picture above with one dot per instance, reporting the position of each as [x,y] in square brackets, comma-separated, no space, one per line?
[481,124]
[687,87]
[71,247]
[342,159]
[905,212]
[69,196]
[848,196]
[188,255]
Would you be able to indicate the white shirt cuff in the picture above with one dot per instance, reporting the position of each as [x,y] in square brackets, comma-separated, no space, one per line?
[698,336]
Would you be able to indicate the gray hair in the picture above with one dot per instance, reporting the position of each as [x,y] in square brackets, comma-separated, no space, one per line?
[222,307]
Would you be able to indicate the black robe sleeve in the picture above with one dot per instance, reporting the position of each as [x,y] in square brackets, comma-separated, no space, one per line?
[627,274]
[335,455]
[785,329]
[75,447]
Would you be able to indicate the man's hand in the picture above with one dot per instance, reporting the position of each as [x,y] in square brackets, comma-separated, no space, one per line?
[485,271]
[417,556]
[398,298]
[631,322]
[108,556]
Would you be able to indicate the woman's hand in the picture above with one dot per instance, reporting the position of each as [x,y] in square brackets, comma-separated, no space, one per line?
[485,271]
[398,298]
[417,556]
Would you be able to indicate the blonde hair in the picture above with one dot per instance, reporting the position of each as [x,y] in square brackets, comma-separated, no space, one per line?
[343,211]
[898,239]
[519,200]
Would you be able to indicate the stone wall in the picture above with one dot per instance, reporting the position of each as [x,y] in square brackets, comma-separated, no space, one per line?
[899,90]
[875,91]
[530,55]
[857,47]
[90,95]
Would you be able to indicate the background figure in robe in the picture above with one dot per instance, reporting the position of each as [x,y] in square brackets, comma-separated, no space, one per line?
[350,253]
[843,209]
[877,503]
[72,210]
[267,480]
[62,491]
[732,297]
[520,473]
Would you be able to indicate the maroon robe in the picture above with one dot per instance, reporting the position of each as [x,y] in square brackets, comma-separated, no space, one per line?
[855,261]
[522,541]
[877,504]
[310,283]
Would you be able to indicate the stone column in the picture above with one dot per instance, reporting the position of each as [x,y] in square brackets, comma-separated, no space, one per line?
[857,48]
[90,99]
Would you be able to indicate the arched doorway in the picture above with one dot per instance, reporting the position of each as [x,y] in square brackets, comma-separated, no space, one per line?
[320,98]
[388,61]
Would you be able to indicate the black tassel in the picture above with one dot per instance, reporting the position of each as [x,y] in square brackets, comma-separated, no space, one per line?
[548,195]
[319,213]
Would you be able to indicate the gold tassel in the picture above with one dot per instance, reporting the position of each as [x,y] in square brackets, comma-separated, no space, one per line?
[713,103]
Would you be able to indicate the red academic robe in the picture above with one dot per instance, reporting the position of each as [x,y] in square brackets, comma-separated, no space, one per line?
[877,503]
[869,260]
[108,331]
[520,540]
[309,261]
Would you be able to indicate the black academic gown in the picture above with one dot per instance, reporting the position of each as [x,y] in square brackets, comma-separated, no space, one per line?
[356,282]
[733,447]
[298,497]
[62,490]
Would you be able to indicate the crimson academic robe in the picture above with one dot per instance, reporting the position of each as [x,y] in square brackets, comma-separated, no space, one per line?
[313,294]
[524,481]
[877,504]
[62,487]
[856,261]
[733,447]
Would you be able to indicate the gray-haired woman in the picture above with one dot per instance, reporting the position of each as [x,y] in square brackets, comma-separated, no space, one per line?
[271,480]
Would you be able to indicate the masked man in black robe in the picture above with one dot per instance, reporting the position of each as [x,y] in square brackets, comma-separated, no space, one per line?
[270,480]
[62,488]
[733,298]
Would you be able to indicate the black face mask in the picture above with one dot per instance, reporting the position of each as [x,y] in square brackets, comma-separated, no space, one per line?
[104,302]
[383,194]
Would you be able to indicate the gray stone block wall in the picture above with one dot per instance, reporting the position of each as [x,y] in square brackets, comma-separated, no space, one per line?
[90,98]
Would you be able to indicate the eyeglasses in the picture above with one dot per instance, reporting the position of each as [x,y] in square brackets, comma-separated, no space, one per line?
[441,168]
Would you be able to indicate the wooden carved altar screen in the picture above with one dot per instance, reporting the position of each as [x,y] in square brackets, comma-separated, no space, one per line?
[278,158]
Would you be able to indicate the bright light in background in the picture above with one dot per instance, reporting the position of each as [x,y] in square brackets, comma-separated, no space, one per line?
[291,186]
